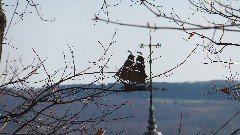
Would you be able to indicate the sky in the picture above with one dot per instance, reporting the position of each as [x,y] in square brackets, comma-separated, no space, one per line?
[70,25]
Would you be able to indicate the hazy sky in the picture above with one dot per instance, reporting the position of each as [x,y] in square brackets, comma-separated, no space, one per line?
[73,26]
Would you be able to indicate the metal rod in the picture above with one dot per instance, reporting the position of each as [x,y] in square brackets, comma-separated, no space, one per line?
[151,119]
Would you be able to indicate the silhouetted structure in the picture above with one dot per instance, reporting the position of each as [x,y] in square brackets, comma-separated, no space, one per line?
[132,74]
[152,127]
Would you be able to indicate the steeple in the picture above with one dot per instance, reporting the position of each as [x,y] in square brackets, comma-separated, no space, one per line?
[152,127]
[132,75]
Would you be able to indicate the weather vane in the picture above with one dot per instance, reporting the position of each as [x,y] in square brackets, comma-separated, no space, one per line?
[132,75]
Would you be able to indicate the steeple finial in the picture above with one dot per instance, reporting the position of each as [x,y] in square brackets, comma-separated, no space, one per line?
[152,127]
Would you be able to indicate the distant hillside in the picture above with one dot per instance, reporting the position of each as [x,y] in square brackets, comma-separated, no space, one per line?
[185,98]
[183,90]
[201,114]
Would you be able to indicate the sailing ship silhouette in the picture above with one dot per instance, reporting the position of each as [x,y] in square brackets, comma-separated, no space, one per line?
[132,73]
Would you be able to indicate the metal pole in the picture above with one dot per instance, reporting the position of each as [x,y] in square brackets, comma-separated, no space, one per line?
[152,127]
[151,119]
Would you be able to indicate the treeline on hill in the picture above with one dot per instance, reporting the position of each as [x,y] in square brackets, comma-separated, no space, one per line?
[196,101]
[202,90]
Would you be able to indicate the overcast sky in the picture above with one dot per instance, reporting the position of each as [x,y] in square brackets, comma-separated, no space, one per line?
[73,26]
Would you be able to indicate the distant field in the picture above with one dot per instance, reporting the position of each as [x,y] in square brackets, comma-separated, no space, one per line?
[198,116]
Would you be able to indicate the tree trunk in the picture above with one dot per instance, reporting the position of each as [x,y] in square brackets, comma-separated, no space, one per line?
[3,21]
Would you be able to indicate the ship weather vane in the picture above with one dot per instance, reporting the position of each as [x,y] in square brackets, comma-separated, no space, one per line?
[132,75]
